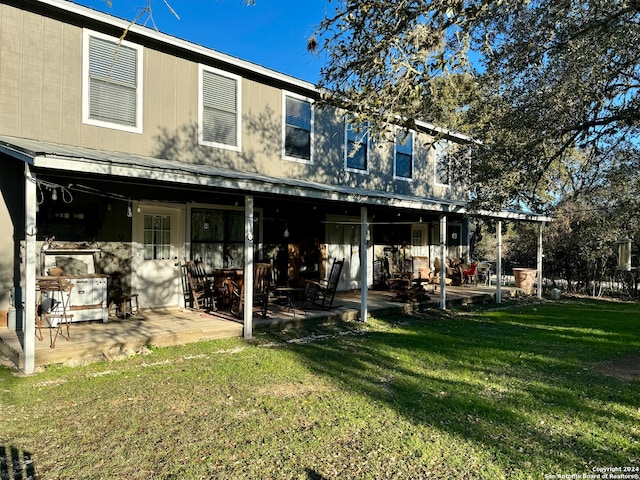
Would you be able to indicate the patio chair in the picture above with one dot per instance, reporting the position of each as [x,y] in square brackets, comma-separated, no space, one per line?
[123,304]
[435,278]
[470,275]
[49,308]
[421,271]
[262,277]
[321,293]
[201,291]
[261,290]
[484,272]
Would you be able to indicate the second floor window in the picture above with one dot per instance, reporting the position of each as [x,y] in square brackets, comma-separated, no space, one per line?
[403,164]
[112,87]
[219,109]
[442,163]
[298,126]
[356,146]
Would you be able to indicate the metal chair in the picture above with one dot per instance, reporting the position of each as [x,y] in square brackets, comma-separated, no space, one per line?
[484,272]
[49,308]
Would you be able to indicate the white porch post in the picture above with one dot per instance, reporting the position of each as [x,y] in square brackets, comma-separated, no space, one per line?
[499,265]
[364,288]
[248,266]
[443,258]
[29,279]
[539,259]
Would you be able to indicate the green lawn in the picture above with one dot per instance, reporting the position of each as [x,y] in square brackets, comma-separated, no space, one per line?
[527,391]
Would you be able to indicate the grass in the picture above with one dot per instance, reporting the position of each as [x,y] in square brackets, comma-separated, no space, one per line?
[520,392]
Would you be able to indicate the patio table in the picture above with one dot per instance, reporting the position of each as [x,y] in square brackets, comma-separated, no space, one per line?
[291,293]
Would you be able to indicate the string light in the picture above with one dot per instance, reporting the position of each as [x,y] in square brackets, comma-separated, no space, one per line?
[67,197]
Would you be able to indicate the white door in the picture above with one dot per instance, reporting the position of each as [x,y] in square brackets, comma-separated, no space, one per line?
[343,241]
[158,235]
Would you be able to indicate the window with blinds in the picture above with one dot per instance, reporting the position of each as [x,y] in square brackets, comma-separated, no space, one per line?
[356,146]
[219,109]
[403,164]
[298,127]
[112,83]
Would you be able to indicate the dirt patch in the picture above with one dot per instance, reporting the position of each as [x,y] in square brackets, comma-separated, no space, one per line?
[289,390]
[625,368]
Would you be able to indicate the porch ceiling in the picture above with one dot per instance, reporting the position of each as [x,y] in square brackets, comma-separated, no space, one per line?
[69,158]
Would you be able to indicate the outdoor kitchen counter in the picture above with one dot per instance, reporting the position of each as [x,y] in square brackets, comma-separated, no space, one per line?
[88,299]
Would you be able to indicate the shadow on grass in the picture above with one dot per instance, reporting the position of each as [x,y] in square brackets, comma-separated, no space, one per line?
[517,381]
[16,464]
[313,475]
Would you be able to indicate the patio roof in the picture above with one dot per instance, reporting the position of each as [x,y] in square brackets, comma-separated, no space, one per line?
[52,156]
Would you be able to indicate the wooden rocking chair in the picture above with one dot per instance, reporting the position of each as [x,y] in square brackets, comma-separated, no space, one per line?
[261,290]
[321,293]
[201,291]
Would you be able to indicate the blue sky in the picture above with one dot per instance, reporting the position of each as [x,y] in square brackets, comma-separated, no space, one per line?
[272,33]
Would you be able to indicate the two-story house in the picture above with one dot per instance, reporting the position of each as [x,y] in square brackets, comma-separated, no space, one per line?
[154,149]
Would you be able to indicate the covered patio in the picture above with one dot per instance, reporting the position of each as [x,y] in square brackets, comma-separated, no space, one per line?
[97,341]
[146,215]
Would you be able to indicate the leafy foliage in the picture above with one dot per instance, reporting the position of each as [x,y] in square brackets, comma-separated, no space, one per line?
[582,242]
[549,81]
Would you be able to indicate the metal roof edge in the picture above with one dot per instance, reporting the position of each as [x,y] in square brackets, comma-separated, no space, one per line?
[35,153]
[514,215]
[241,181]
[17,153]
[450,133]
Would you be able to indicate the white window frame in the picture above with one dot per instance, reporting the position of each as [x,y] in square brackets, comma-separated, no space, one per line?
[445,149]
[366,145]
[238,80]
[286,95]
[402,131]
[86,35]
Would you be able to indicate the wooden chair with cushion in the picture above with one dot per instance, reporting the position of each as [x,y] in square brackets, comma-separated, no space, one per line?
[435,279]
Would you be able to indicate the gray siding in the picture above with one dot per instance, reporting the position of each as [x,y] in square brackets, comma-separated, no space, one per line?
[41,98]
